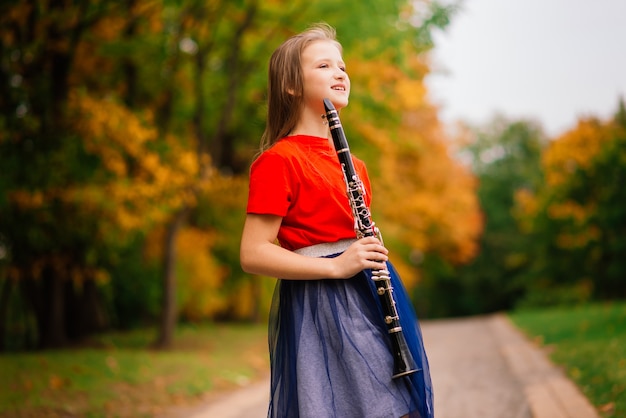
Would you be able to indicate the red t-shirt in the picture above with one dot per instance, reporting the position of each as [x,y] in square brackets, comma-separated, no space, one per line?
[300,179]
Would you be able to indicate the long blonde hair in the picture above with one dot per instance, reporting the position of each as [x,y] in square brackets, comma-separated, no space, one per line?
[285,87]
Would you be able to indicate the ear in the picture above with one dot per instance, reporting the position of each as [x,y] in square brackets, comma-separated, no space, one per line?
[291,92]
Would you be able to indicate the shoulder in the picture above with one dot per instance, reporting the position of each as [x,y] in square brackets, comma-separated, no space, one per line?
[279,153]
[280,162]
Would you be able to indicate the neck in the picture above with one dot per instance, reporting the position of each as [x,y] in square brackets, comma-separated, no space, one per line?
[312,124]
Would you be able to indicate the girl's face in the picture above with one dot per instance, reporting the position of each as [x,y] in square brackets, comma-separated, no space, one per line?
[324,76]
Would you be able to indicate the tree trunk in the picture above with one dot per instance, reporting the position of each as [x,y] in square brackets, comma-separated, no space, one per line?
[6,286]
[221,147]
[51,324]
[84,313]
[129,68]
[169,313]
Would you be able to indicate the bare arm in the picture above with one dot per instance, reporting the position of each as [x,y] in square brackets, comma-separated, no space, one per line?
[260,255]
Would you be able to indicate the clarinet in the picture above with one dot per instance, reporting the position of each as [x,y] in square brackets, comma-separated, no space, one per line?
[404,364]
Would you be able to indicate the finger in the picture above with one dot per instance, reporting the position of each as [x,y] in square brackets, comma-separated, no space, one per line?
[378,265]
[377,248]
[369,240]
[376,256]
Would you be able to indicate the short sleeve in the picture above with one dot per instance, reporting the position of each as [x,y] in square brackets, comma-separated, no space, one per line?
[270,190]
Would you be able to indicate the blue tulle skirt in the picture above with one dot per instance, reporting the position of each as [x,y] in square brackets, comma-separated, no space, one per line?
[331,357]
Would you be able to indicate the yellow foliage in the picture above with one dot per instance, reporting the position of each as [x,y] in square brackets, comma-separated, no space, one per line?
[245,298]
[135,186]
[27,200]
[526,201]
[526,206]
[570,210]
[439,210]
[380,88]
[573,150]
[200,276]
[578,239]
[111,28]
[251,299]
[412,93]
[425,198]
[138,186]
[579,234]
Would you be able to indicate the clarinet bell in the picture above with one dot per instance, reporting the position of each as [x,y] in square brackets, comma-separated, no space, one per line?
[403,362]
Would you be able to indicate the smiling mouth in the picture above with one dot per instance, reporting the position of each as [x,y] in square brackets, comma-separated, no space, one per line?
[339,88]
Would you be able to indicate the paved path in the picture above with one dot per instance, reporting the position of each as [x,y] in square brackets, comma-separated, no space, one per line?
[481,367]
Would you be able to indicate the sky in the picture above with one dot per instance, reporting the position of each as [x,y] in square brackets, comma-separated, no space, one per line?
[551,61]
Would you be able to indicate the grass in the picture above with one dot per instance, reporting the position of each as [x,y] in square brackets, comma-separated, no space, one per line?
[117,375]
[590,343]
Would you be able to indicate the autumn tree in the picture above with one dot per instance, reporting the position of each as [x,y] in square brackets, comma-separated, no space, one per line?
[127,130]
[577,218]
[84,173]
[42,255]
[505,157]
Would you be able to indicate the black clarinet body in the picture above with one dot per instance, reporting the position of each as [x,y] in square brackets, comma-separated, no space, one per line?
[404,364]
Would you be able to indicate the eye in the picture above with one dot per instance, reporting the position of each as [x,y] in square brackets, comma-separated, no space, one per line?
[323,65]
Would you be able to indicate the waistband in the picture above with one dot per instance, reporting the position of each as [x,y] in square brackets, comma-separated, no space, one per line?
[326,248]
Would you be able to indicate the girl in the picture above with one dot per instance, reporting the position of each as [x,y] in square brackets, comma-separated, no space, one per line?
[329,347]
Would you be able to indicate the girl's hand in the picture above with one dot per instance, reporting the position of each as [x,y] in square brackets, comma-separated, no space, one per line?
[366,253]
